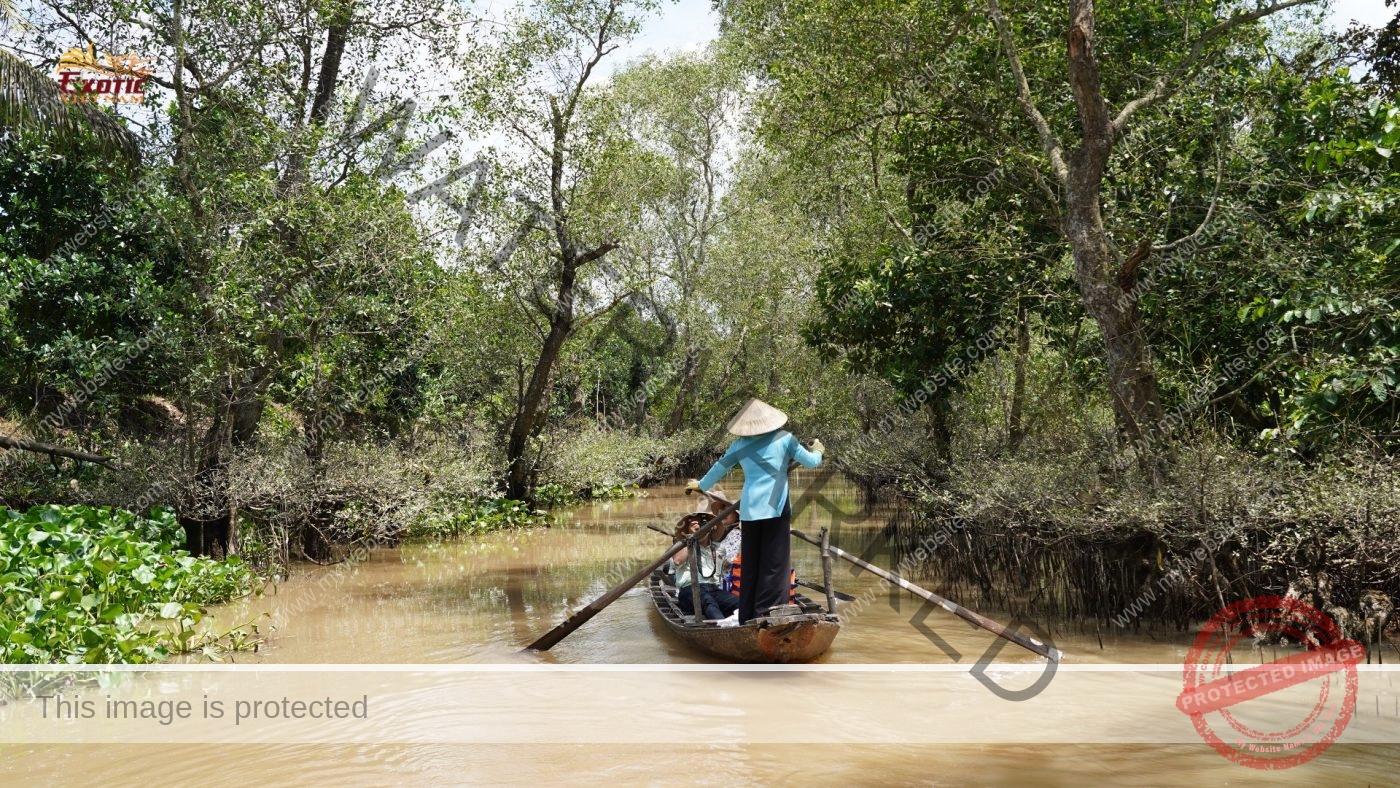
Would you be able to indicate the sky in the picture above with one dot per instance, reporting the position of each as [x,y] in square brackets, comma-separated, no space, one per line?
[1372,12]
[690,24]
[682,25]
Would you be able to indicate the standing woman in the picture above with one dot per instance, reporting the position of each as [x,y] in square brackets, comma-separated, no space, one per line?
[763,449]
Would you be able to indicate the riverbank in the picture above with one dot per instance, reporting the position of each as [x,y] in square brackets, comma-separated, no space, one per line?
[375,489]
[1046,535]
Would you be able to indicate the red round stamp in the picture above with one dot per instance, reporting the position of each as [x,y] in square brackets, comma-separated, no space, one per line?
[1279,714]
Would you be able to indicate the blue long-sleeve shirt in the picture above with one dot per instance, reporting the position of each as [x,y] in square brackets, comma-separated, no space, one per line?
[764,459]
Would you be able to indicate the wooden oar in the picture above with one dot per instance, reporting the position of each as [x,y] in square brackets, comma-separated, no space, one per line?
[844,597]
[592,609]
[972,617]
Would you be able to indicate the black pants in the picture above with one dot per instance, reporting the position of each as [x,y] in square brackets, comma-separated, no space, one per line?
[766,549]
[717,603]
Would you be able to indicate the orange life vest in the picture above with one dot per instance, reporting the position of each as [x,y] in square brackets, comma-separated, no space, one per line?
[733,578]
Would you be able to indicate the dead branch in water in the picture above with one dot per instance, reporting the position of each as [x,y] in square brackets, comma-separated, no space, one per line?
[20,444]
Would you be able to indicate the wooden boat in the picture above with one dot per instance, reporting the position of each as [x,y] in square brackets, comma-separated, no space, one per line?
[801,636]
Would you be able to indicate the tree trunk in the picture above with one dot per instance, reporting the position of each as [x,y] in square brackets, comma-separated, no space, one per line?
[1016,427]
[942,435]
[202,533]
[534,403]
[1132,381]
[327,78]
[689,372]
[531,406]
[235,426]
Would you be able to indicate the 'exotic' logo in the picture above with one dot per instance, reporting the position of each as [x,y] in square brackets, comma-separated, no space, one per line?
[83,76]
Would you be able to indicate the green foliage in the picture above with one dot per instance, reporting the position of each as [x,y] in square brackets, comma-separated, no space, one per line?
[99,585]
[934,303]
[85,277]
[1342,313]
[941,219]
[554,496]
[450,519]
[617,492]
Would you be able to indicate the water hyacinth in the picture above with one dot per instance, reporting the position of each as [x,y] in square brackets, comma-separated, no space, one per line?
[103,586]
[454,519]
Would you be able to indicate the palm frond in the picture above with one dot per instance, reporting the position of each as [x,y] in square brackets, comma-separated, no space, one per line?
[30,100]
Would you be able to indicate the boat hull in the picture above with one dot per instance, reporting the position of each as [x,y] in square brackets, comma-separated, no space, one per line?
[793,638]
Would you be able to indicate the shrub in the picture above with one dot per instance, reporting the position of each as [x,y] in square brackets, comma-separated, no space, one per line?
[593,463]
[366,492]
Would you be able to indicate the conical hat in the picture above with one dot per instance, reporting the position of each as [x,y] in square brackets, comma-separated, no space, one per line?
[756,418]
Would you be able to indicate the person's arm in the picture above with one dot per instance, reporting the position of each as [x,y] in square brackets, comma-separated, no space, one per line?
[719,469]
[809,458]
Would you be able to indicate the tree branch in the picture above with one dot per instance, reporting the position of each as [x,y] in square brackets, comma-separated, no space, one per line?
[597,313]
[600,49]
[1169,82]
[596,252]
[21,444]
[1053,149]
[1210,211]
[560,130]
[546,306]
[528,136]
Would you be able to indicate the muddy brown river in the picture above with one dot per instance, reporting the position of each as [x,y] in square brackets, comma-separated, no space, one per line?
[468,607]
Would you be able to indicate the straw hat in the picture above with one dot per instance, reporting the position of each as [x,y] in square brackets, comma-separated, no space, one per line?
[702,514]
[756,418]
[706,505]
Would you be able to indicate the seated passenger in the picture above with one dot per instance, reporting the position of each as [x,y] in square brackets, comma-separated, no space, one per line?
[716,604]
[727,535]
